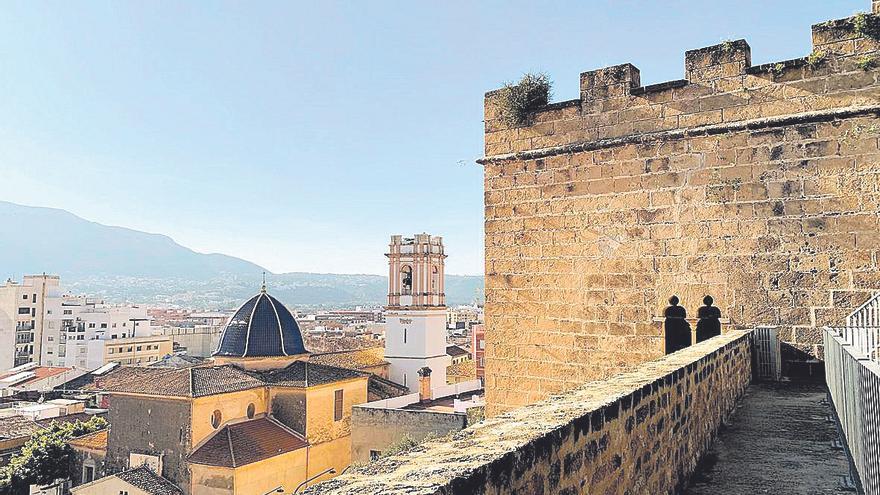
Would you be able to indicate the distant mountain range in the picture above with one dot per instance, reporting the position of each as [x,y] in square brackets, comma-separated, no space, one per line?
[121,264]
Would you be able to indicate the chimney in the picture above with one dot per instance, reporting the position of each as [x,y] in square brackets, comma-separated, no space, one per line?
[424,384]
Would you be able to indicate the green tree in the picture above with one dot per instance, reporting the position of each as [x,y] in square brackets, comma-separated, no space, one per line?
[46,456]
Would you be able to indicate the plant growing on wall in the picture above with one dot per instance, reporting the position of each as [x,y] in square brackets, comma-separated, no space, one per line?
[519,101]
[867,63]
[866,25]
[816,59]
[46,455]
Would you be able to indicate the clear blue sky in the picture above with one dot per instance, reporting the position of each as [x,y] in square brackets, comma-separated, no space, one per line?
[300,135]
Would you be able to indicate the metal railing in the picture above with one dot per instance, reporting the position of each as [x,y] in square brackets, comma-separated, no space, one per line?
[864,341]
[866,315]
[854,386]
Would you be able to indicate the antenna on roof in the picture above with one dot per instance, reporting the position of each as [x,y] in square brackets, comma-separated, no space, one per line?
[263,287]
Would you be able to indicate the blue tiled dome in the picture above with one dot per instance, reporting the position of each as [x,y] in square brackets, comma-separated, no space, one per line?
[262,327]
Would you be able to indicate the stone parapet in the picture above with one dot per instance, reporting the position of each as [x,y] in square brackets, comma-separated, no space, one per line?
[640,432]
[756,185]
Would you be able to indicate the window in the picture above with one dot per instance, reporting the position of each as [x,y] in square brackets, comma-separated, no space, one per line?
[103,325]
[435,278]
[24,297]
[404,379]
[406,280]
[35,298]
[91,325]
[139,348]
[110,350]
[123,492]
[404,336]
[216,418]
[482,344]
[68,312]
[88,474]
[375,455]
[337,405]
[251,410]
[24,311]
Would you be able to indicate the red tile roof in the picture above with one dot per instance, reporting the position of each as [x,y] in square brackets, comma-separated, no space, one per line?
[244,443]
[40,373]
[93,441]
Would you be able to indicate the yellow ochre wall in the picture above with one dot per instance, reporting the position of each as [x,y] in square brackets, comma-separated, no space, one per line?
[286,470]
[331,440]
[232,406]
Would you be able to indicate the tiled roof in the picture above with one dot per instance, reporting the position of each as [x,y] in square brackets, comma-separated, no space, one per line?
[40,373]
[464,369]
[93,441]
[145,479]
[178,361]
[456,351]
[261,327]
[244,443]
[17,427]
[306,374]
[177,382]
[379,388]
[355,359]
[69,418]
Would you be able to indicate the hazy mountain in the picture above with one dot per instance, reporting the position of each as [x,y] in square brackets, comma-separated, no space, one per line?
[121,264]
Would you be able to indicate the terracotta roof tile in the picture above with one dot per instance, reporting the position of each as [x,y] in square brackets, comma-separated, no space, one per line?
[307,374]
[463,369]
[148,481]
[244,443]
[17,427]
[93,441]
[178,382]
[355,359]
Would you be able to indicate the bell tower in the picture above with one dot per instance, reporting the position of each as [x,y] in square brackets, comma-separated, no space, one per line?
[415,318]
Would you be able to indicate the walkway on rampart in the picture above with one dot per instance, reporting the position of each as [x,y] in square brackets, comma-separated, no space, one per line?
[779,441]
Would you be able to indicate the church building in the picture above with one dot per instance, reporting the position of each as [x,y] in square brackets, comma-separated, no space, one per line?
[260,418]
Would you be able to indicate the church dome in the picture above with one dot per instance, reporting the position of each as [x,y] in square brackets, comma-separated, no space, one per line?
[262,327]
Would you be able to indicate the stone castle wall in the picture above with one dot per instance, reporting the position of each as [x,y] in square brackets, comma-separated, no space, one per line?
[758,185]
[640,432]
[375,429]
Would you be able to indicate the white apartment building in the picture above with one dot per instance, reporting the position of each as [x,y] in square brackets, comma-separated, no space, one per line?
[28,318]
[88,326]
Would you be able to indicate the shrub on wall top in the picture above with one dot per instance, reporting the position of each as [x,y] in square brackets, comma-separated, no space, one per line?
[519,101]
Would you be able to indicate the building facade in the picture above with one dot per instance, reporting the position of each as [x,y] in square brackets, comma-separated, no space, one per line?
[415,318]
[27,319]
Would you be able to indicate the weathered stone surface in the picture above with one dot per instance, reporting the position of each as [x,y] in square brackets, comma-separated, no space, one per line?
[759,186]
[780,440]
[640,432]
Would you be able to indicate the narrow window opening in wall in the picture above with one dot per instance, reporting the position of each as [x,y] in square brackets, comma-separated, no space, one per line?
[337,405]
[406,280]
[251,410]
[404,336]
[216,418]
[435,278]
[404,379]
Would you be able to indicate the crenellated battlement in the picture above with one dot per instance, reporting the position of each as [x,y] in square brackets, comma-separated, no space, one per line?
[720,85]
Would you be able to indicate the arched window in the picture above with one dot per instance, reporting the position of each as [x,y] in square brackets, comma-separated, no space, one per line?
[216,418]
[406,280]
[251,409]
[435,279]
